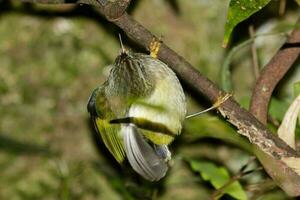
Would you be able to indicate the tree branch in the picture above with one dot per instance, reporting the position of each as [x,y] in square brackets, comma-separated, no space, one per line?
[269,77]
[247,125]
[111,9]
[272,73]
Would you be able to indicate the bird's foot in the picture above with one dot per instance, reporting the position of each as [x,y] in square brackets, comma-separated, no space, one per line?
[221,100]
[154,47]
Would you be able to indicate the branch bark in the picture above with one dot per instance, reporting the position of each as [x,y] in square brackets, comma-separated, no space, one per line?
[269,77]
[111,9]
[272,147]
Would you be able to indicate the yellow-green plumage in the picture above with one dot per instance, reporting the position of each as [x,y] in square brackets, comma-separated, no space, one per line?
[138,111]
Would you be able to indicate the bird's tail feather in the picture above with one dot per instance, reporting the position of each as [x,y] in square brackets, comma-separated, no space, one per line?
[141,156]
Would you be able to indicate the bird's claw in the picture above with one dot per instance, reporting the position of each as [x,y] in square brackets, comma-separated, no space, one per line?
[222,99]
[154,47]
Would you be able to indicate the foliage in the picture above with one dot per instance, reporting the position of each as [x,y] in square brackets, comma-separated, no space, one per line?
[218,176]
[52,57]
[238,11]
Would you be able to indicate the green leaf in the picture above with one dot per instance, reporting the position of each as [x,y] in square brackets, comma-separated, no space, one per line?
[238,11]
[278,108]
[296,89]
[298,2]
[218,176]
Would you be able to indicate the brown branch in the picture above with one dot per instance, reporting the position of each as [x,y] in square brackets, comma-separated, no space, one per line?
[272,147]
[111,9]
[272,73]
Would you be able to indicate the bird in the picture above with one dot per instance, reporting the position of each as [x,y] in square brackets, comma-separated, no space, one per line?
[139,110]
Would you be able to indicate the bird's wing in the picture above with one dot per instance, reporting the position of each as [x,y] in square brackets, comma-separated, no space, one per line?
[101,114]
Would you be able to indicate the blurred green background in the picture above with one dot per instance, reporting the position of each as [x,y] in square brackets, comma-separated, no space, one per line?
[52,57]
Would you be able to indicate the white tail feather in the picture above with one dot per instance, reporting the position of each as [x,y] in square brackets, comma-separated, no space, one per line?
[141,156]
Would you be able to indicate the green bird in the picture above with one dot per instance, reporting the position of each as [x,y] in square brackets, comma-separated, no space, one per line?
[138,111]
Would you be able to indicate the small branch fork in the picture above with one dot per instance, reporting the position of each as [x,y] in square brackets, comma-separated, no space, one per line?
[272,73]
[272,148]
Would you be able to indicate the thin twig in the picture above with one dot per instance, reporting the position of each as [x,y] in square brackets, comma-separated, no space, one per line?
[242,172]
[258,189]
[255,64]
[282,5]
